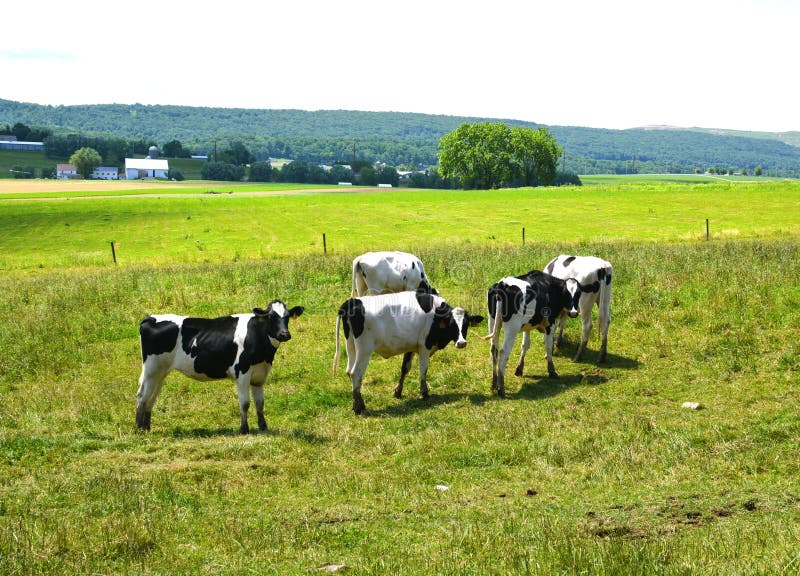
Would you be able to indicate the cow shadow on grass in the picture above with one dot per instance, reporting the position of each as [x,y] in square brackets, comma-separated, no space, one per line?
[291,433]
[408,404]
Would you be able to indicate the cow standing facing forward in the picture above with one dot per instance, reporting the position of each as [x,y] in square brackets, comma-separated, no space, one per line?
[403,323]
[593,285]
[240,346]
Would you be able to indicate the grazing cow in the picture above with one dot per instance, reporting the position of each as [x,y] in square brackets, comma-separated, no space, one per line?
[593,277]
[402,323]
[240,346]
[385,272]
[533,301]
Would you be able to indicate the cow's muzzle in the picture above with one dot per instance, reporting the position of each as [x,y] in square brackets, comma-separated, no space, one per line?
[573,313]
[462,344]
[284,337]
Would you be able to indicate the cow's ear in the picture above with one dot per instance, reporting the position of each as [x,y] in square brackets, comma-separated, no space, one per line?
[475,320]
[296,311]
[259,312]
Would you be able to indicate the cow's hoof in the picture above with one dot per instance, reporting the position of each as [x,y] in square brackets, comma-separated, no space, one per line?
[358,405]
[398,392]
[518,371]
[602,358]
[244,429]
[553,374]
[501,392]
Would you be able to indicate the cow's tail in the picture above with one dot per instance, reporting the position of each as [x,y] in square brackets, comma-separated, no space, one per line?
[336,356]
[494,335]
[356,271]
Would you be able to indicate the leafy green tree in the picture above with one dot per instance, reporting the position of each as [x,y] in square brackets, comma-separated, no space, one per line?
[758,170]
[535,155]
[21,131]
[368,176]
[85,161]
[340,173]
[237,154]
[222,171]
[295,171]
[260,172]
[388,175]
[175,174]
[174,149]
[490,154]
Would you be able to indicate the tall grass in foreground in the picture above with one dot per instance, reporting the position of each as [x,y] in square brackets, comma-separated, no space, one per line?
[598,472]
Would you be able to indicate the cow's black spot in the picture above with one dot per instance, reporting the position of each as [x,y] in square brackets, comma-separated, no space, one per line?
[601,273]
[210,342]
[551,296]
[424,299]
[157,337]
[608,279]
[568,260]
[257,346]
[443,329]
[593,287]
[352,314]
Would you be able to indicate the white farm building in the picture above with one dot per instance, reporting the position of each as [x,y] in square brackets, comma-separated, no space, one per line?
[145,168]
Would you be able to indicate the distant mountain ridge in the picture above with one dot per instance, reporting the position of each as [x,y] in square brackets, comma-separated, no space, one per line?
[400,138]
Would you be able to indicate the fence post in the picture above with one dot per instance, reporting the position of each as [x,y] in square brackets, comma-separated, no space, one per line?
[708,236]
[113,252]
[324,245]
[523,235]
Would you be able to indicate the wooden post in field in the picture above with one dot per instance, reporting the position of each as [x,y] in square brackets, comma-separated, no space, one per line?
[324,245]
[708,236]
[113,252]
[523,235]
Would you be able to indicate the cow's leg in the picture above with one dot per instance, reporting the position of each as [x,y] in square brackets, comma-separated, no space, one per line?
[548,337]
[526,343]
[562,321]
[495,365]
[404,369]
[257,391]
[150,383]
[243,391]
[424,360]
[586,326]
[604,319]
[359,368]
[509,335]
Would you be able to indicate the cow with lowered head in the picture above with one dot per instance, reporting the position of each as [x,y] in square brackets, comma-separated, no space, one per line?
[592,286]
[240,346]
[385,272]
[534,301]
[402,323]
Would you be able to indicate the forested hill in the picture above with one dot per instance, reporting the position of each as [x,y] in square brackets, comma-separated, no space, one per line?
[404,138]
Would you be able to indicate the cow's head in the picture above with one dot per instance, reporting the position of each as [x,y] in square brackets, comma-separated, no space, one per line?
[450,325]
[276,319]
[573,293]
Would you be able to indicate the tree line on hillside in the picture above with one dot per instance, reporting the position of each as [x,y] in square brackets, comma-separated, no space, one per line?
[399,139]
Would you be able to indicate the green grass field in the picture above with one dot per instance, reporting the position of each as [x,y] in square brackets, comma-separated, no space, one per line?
[599,472]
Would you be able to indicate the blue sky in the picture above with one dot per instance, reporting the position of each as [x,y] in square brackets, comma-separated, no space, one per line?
[606,64]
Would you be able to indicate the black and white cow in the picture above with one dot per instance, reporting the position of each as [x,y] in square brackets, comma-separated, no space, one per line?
[593,277]
[385,272]
[402,323]
[520,304]
[240,346]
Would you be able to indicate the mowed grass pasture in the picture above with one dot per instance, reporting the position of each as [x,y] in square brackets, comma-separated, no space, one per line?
[601,471]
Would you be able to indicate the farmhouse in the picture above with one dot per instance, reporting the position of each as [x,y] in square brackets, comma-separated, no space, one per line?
[106,173]
[66,171]
[145,168]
